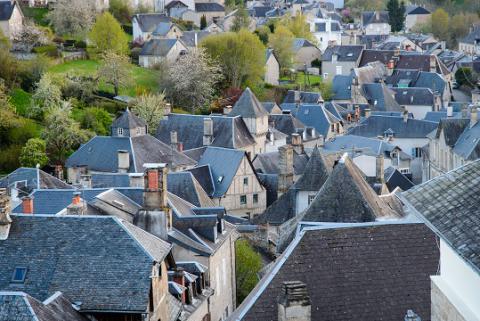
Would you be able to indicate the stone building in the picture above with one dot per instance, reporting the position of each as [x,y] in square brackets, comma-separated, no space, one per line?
[11,18]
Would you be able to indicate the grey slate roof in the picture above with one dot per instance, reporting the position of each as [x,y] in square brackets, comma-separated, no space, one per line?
[228,132]
[267,163]
[299,43]
[472,36]
[186,186]
[380,97]
[248,106]
[369,17]
[342,87]
[377,125]
[393,179]
[414,96]
[305,97]
[468,144]
[158,47]
[316,116]
[224,164]
[416,78]
[107,180]
[188,37]
[416,10]
[149,21]
[315,173]
[285,123]
[209,7]
[6,10]
[35,179]
[369,146]
[450,205]
[349,270]
[346,197]
[344,53]
[122,256]
[128,121]
[101,153]
[452,129]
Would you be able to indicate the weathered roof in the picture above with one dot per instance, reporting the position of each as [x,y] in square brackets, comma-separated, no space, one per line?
[369,17]
[377,125]
[280,211]
[451,206]
[299,43]
[346,197]
[267,163]
[285,123]
[452,129]
[19,306]
[128,120]
[57,261]
[224,164]
[468,144]
[363,145]
[149,21]
[228,132]
[186,186]
[380,97]
[203,175]
[344,52]
[209,7]
[349,270]
[34,179]
[305,97]
[189,37]
[315,173]
[414,96]
[248,106]
[158,47]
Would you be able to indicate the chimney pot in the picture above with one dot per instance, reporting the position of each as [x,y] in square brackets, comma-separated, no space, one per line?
[227,110]
[27,205]
[367,112]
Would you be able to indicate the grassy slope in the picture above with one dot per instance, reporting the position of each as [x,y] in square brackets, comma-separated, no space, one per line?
[141,77]
[21,100]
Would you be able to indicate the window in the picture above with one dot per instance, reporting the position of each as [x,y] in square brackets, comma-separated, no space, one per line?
[243,199]
[120,131]
[311,198]
[19,274]
[417,152]
[139,130]
[245,181]
[255,198]
[339,70]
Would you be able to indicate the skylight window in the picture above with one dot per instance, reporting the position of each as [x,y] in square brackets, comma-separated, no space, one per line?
[350,54]
[19,274]
[220,178]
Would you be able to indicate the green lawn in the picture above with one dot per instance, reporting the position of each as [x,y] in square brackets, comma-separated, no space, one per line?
[142,78]
[312,82]
[20,99]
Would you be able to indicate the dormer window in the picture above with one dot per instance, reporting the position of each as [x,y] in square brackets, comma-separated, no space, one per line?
[120,131]
[19,274]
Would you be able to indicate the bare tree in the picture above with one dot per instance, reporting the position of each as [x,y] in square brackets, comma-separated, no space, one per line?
[193,77]
[115,70]
[73,17]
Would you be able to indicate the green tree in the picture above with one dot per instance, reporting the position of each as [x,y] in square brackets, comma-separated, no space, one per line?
[299,27]
[465,77]
[34,152]
[150,108]
[108,35]
[241,56]
[247,265]
[115,70]
[282,44]
[263,33]
[62,134]
[97,120]
[121,10]
[8,118]
[326,89]
[203,22]
[8,64]
[440,24]
[241,20]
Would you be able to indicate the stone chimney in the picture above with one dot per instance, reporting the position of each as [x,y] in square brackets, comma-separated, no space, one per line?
[368,112]
[136,180]
[433,63]
[5,210]
[297,142]
[390,67]
[285,165]
[405,114]
[123,161]
[27,205]
[86,180]
[59,172]
[174,140]
[155,190]
[77,207]
[473,116]
[179,278]
[449,111]
[294,303]
[379,169]
[227,109]
[168,109]
[207,131]
[377,15]
[412,316]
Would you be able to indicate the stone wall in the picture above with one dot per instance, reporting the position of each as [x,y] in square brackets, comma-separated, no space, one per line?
[442,308]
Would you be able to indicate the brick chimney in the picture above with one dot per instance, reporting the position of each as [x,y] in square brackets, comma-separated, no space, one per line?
[27,205]
[285,164]
[123,161]
[5,210]
[155,186]
[294,303]
[77,207]
[207,131]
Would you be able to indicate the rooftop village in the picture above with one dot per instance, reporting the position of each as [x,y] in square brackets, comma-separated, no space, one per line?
[214,160]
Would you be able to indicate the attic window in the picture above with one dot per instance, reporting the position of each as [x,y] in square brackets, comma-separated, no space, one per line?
[120,131]
[220,178]
[19,274]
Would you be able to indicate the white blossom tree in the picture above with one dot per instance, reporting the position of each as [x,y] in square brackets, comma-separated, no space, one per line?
[73,17]
[47,95]
[150,108]
[115,70]
[193,78]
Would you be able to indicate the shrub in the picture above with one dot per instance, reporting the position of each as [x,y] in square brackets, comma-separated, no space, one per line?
[48,50]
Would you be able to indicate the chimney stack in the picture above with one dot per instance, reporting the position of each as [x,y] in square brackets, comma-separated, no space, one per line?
[285,164]
[449,111]
[155,182]
[123,161]
[173,140]
[379,169]
[86,180]
[207,131]
[27,205]
[59,172]
[368,112]
[296,96]
[396,52]
[5,210]
[168,109]
[297,141]
[179,278]
[405,114]
[433,64]
[294,303]
[227,109]
[77,207]
[473,116]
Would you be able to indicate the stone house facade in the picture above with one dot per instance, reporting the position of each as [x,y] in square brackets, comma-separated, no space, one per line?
[11,18]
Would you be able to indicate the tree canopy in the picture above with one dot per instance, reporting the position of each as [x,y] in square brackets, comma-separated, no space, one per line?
[396,14]
[108,35]
[247,265]
[281,41]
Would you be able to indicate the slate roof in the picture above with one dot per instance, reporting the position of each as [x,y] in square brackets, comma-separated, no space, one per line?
[417,10]
[450,205]
[267,163]
[188,37]
[248,106]
[19,306]
[101,153]
[261,11]
[269,105]
[149,21]
[6,10]
[35,179]
[299,43]
[344,53]
[346,197]
[209,7]
[393,179]
[369,17]
[223,164]
[414,96]
[369,146]
[452,129]
[162,29]
[228,132]
[121,253]
[377,125]
[158,47]
[174,4]
[127,120]
[315,173]
[349,270]
[305,97]
[285,123]
[472,36]
[316,116]
[107,180]
[468,144]
[415,78]
[342,87]
[380,97]
[186,186]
